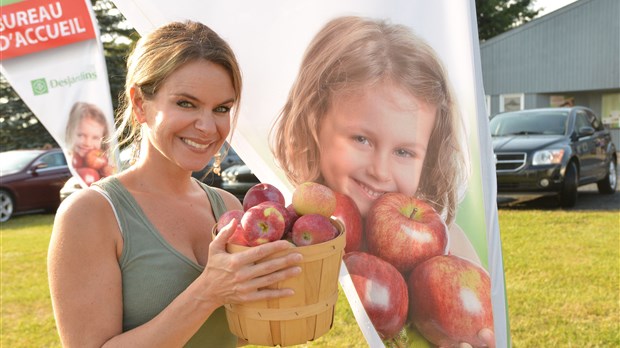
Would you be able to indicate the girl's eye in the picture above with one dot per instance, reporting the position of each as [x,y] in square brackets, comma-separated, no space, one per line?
[185,104]
[222,109]
[404,153]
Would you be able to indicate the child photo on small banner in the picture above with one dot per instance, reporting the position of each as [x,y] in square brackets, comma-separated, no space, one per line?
[381,101]
[53,58]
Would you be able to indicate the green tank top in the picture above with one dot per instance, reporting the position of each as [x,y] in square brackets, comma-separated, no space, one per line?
[153,272]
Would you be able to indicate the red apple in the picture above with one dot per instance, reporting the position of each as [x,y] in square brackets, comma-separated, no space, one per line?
[291,217]
[88,175]
[382,291]
[314,198]
[313,229]
[262,224]
[260,193]
[96,159]
[348,212]
[450,300]
[238,236]
[405,231]
[77,161]
[107,170]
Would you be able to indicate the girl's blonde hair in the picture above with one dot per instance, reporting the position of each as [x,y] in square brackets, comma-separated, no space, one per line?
[348,54]
[80,111]
[159,54]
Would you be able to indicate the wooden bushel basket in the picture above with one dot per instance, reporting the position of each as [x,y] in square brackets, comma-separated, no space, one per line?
[303,317]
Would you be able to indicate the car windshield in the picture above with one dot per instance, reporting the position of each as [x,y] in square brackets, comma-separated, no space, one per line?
[529,123]
[14,161]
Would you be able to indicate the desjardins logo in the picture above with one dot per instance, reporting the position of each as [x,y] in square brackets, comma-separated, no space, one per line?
[41,86]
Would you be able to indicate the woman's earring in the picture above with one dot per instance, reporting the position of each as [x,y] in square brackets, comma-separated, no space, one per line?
[216,163]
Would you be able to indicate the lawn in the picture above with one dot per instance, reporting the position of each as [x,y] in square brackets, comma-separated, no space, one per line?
[562,280]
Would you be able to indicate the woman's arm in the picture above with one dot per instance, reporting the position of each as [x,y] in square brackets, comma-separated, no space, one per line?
[86,288]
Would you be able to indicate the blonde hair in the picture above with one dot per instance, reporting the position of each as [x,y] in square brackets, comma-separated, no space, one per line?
[80,111]
[349,53]
[159,54]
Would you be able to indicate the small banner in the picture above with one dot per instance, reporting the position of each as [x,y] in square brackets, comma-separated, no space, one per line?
[284,47]
[53,58]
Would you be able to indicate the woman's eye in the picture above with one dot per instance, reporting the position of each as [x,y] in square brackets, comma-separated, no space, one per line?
[185,104]
[404,153]
[360,139]
[223,109]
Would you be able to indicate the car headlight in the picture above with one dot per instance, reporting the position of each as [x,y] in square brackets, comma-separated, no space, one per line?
[547,157]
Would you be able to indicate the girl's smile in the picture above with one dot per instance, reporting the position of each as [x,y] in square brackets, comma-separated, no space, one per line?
[374,141]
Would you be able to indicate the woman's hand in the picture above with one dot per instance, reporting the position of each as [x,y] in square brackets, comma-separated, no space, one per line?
[236,278]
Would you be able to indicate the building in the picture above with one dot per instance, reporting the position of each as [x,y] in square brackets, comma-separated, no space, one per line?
[568,57]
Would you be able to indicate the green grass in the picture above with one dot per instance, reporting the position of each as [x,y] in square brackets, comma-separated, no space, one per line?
[562,281]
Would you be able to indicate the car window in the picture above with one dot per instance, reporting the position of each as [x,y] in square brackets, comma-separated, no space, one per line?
[14,161]
[53,160]
[594,121]
[581,121]
[529,123]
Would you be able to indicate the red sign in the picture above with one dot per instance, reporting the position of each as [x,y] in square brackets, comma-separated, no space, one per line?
[32,26]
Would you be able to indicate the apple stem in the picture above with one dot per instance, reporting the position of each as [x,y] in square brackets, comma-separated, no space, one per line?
[415,211]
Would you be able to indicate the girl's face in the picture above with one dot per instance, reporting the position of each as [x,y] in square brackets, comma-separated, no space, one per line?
[88,136]
[188,120]
[373,142]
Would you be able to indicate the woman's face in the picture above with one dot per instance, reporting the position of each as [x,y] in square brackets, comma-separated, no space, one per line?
[188,120]
[88,136]
[373,142]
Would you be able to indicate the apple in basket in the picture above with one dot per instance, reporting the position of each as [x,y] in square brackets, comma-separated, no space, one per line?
[262,192]
[313,229]
[238,236]
[450,300]
[262,224]
[405,231]
[314,198]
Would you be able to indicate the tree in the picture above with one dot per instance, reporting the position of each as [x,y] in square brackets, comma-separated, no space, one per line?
[497,16]
[19,127]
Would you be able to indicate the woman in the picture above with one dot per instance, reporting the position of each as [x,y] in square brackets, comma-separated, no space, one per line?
[131,260]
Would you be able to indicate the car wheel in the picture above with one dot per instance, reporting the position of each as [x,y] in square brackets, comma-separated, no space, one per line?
[609,183]
[6,206]
[568,195]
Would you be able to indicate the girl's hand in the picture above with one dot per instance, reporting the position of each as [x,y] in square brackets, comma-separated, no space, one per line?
[237,278]
[486,335]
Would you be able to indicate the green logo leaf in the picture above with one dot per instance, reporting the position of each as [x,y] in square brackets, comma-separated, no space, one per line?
[39,86]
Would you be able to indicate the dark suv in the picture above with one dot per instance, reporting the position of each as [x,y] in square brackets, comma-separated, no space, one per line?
[552,151]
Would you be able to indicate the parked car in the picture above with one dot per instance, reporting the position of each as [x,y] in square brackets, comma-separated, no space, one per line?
[30,181]
[552,151]
[238,179]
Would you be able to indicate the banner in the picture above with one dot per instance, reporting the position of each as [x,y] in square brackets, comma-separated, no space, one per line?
[53,58]
[271,40]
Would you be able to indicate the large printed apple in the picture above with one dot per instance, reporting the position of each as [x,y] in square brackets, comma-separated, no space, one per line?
[450,300]
[348,212]
[382,291]
[89,175]
[96,159]
[405,231]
